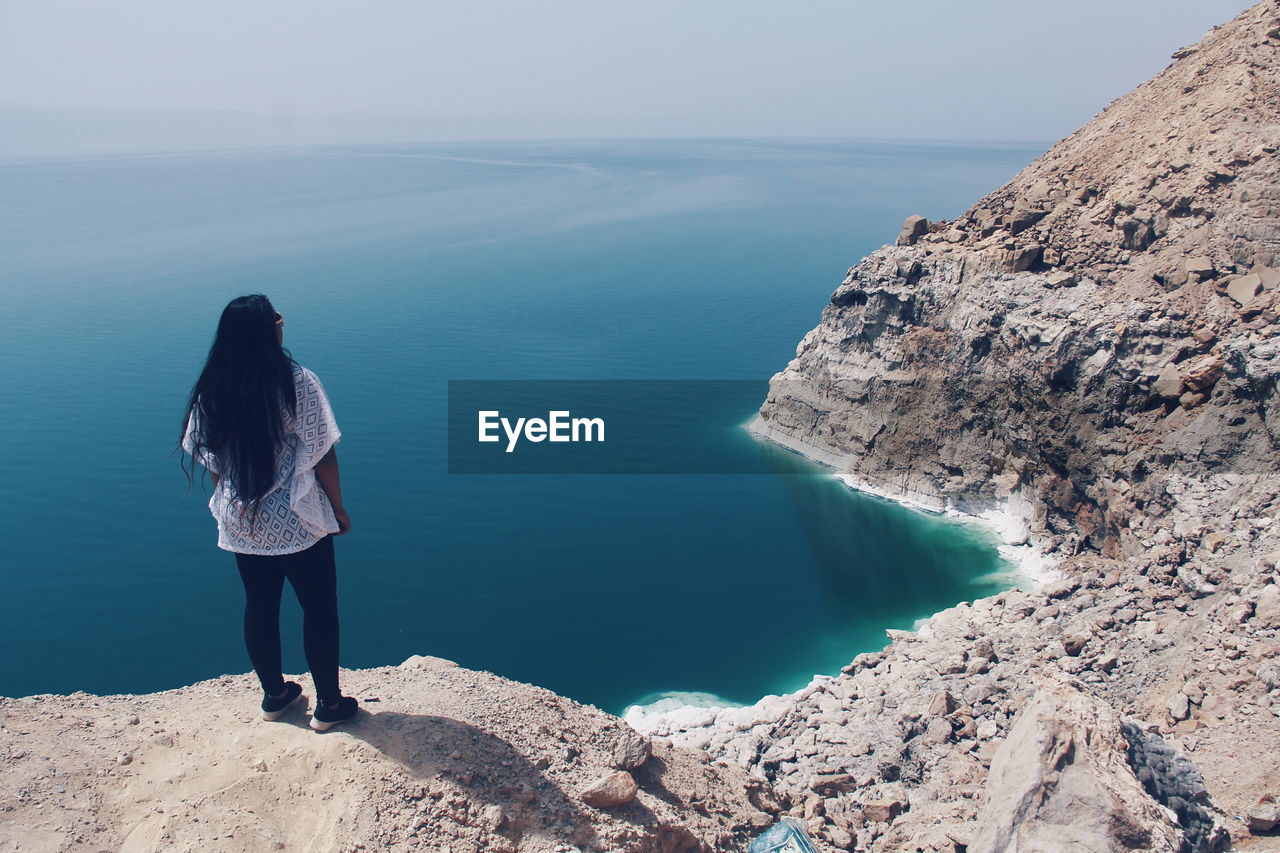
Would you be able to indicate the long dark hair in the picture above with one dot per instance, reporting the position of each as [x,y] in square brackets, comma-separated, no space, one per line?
[240,399]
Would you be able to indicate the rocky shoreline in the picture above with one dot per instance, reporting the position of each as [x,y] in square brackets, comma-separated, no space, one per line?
[1008,520]
[1096,344]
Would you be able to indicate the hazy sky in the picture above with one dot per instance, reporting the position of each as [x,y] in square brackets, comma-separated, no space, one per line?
[984,69]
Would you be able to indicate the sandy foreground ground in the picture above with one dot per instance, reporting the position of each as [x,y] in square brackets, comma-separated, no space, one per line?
[441,758]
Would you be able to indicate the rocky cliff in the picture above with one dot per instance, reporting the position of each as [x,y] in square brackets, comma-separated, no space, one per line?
[1093,347]
[1088,339]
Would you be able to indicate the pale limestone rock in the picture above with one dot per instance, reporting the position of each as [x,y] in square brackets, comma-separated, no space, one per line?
[1178,706]
[937,732]
[1269,277]
[1061,781]
[1266,611]
[426,662]
[1244,287]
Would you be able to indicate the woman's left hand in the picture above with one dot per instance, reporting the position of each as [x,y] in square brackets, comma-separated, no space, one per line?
[344,520]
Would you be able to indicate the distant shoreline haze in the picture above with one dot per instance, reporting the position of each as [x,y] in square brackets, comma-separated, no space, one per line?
[150,74]
[33,130]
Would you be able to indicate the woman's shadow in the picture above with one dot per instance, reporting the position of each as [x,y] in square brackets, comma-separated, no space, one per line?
[489,770]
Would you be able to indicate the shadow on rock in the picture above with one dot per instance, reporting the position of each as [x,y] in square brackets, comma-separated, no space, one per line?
[485,769]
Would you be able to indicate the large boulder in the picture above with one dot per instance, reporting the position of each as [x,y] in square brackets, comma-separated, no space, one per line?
[1061,781]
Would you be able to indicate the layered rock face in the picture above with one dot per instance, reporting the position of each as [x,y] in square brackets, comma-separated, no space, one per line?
[1094,347]
[1086,338]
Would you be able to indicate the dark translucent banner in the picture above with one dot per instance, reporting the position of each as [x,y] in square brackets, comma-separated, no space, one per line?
[606,427]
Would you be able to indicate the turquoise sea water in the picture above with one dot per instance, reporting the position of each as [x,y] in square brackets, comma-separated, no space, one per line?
[399,268]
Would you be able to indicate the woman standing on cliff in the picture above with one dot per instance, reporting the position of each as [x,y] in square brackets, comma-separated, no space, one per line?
[262,426]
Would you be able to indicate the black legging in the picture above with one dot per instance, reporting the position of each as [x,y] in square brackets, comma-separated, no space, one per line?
[314,579]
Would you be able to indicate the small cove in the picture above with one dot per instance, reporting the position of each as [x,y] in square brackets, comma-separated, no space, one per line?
[399,268]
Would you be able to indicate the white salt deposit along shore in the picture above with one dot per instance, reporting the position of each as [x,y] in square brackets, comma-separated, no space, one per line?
[1031,568]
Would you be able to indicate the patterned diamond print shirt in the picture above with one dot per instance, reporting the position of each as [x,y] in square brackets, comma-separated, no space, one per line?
[296,513]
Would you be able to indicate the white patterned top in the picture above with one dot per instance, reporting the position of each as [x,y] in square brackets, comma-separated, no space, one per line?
[296,513]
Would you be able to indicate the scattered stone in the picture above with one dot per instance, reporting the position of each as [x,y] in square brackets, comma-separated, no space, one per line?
[1074,644]
[831,784]
[1269,675]
[1204,336]
[1023,258]
[1202,373]
[1264,816]
[1172,278]
[1169,383]
[631,750]
[1023,217]
[883,810]
[1269,277]
[1190,400]
[493,816]
[1138,235]
[1213,542]
[1266,611]
[1243,288]
[913,229]
[937,732]
[612,790]
[1178,706]
[943,703]
[1200,267]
